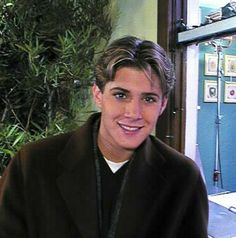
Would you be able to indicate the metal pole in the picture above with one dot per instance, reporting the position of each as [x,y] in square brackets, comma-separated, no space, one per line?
[219,45]
[217,169]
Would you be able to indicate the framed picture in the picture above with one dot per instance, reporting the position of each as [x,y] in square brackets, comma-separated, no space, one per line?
[230,92]
[230,65]
[211,64]
[210,91]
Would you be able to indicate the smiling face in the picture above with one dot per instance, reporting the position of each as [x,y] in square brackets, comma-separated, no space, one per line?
[130,106]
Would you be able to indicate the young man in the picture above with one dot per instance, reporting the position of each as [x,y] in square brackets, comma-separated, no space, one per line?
[110,178]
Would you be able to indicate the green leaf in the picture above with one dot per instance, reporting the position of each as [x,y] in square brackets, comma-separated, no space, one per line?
[18,139]
[8,152]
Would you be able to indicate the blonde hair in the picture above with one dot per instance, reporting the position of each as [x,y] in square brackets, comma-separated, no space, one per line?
[131,51]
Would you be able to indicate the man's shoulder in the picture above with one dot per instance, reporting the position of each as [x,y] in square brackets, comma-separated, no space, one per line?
[171,158]
[55,141]
[165,149]
[59,141]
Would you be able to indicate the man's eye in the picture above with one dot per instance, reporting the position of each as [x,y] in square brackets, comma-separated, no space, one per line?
[120,95]
[150,99]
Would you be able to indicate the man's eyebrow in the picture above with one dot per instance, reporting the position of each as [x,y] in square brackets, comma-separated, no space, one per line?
[151,94]
[121,89]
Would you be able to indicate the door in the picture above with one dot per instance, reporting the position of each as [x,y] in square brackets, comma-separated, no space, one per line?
[171,126]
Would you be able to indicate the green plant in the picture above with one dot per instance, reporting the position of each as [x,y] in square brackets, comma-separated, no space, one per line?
[13,136]
[47,50]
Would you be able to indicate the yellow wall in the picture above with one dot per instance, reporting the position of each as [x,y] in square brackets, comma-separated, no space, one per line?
[135,17]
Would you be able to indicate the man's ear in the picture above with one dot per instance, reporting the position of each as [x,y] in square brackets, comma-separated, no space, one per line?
[97,96]
[163,104]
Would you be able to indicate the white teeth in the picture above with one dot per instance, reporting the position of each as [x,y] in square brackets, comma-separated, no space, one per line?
[129,128]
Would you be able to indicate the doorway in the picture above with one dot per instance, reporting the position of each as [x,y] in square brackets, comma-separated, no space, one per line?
[208,133]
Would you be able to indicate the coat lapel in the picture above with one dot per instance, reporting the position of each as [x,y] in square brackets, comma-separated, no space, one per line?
[77,183]
[141,194]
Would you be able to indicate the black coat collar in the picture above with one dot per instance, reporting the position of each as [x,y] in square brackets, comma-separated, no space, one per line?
[77,184]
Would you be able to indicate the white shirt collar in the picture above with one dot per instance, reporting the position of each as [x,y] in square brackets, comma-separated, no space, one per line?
[114,166]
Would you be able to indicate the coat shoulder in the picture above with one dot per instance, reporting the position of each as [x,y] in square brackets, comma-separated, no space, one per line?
[172,160]
[50,145]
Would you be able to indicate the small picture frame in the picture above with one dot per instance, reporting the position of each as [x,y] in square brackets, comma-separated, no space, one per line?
[230,92]
[210,91]
[230,65]
[211,64]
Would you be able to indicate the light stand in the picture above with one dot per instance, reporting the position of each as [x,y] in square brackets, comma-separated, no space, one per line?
[217,176]
[219,45]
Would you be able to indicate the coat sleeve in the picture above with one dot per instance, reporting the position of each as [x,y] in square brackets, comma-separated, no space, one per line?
[195,221]
[12,204]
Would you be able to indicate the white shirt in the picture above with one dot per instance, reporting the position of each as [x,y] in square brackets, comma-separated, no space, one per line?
[114,166]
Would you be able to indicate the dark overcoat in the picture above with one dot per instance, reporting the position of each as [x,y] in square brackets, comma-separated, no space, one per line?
[49,191]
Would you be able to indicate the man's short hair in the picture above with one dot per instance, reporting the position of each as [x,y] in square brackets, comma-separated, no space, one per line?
[131,51]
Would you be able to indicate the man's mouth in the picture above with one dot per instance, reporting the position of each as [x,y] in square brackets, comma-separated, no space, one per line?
[130,128]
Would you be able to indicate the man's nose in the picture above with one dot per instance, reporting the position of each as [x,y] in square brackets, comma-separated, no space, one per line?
[133,109]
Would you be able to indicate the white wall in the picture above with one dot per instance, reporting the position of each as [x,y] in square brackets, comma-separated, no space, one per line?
[192,85]
[213,3]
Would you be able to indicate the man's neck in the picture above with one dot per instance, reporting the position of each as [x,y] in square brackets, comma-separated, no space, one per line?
[113,154]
